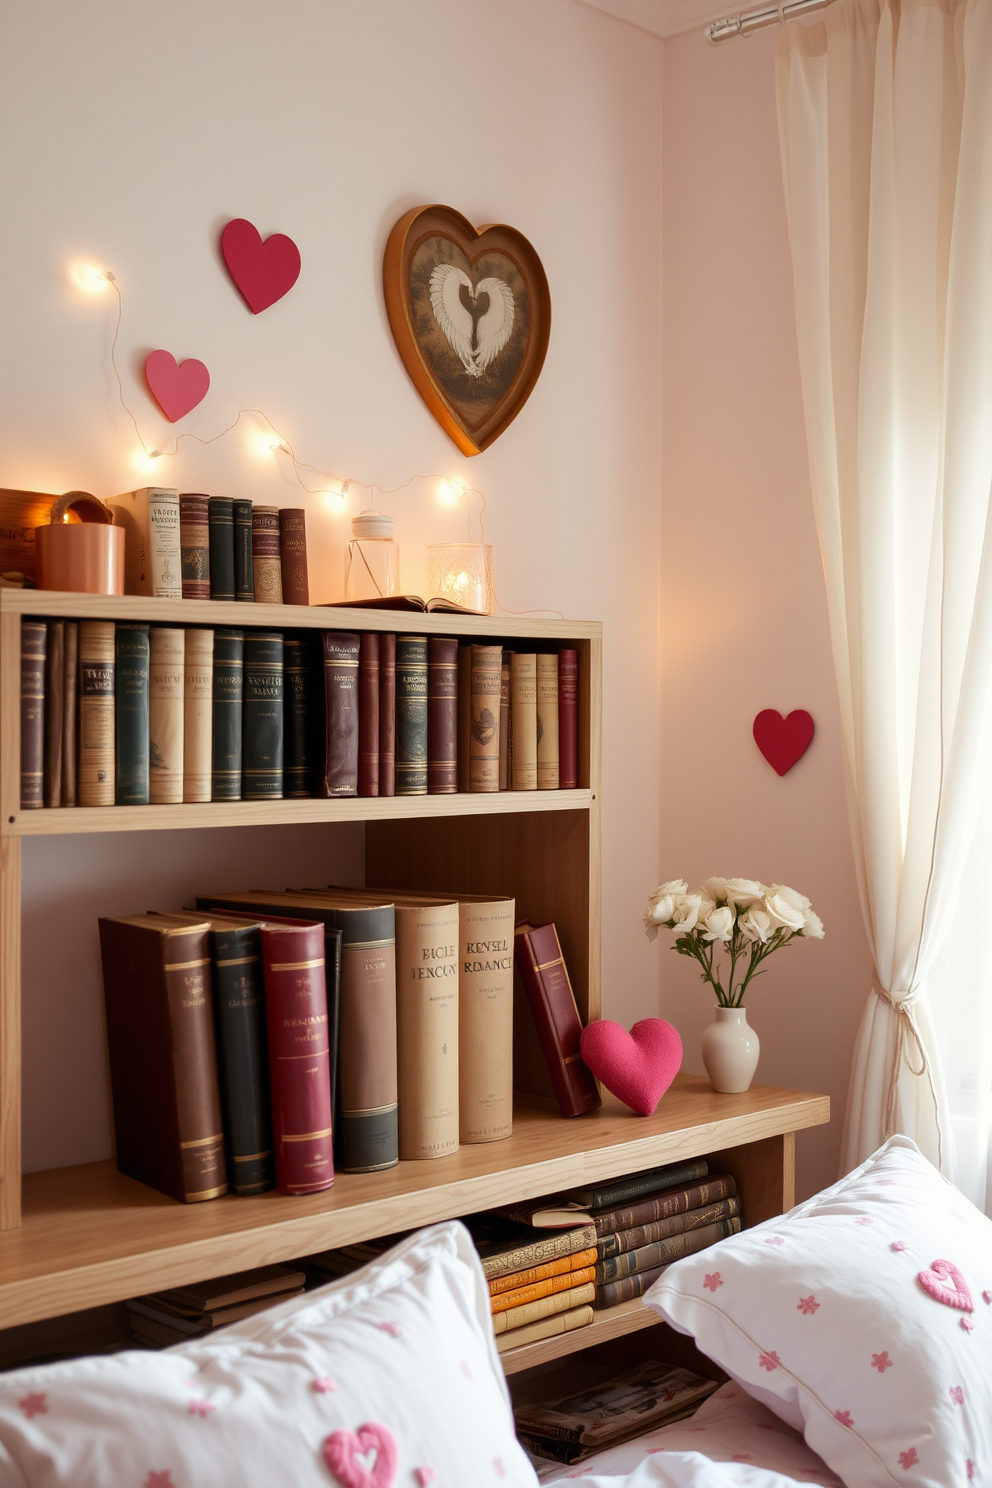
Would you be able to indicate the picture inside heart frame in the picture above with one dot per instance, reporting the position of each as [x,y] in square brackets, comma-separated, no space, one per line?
[472,320]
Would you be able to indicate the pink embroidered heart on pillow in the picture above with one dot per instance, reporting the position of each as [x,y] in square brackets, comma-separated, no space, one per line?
[637,1067]
[344,1452]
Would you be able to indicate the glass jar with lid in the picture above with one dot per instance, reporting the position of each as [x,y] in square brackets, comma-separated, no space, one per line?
[373,560]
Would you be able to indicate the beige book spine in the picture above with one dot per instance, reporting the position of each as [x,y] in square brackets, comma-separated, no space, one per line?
[152,557]
[464,717]
[485,1020]
[165,716]
[504,725]
[487,665]
[198,681]
[95,784]
[266,555]
[565,1322]
[523,709]
[427,1028]
[544,1307]
[547,721]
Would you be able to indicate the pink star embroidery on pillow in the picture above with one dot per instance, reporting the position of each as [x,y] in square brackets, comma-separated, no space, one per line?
[987,1296]
[201,1408]
[425,1476]
[885,1182]
[393,1329]
[898,1245]
[325,1385]
[910,1458]
[466,1371]
[769,1361]
[501,1469]
[881,1361]
[864,1220]
[159,1480]
[967,1325]
[774,1240]
[33,1405]
[956,1393]
[970,1468]
[807,1306]
[712,1281]
[844,1417]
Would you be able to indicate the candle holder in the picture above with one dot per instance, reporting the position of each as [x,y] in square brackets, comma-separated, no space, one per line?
[462,573]
[81,551]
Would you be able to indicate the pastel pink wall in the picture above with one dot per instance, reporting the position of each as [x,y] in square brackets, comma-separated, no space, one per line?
[744,623]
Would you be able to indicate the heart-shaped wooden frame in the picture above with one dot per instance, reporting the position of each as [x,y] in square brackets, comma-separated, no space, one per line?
[474,393]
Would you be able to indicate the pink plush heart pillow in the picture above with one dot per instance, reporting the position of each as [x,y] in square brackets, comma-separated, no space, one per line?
[637,1067]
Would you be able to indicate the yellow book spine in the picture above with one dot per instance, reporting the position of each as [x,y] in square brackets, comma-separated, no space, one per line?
[538,1289]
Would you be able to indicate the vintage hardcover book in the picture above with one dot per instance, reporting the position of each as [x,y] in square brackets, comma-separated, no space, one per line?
[442,716]
[34,634]
[464,717]
[95,779]
[264,1282]
[543,1307]
[549,1327]
[568,719]
[194,544]
[487,667]
[523,710]
[387,715]
[664,1205]
[505,1246]
[367,1120]
[663,1252]
[70,689]
[165,715]
[546,985]
[341,651]
[427,1028]
[221,523]
[131,713]
[163,1057]
[152,550]
[620,1241]
[299,1056]
[293,555]
[654,1180]
[297,674]
[265,556]
[547,720]
[411,715]
[198,689]
[244,572]
[531,1275]
[368,714]
[504,723]
[535,1290]
[262,717]
[54,704]
[228,694]
[435,606]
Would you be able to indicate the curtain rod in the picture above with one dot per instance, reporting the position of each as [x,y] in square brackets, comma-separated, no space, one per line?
[757,20]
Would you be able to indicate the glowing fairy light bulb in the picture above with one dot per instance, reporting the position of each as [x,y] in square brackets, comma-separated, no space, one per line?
[449,491]
[92,279]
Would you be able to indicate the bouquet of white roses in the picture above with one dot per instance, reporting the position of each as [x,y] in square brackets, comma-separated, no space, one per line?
[747,919]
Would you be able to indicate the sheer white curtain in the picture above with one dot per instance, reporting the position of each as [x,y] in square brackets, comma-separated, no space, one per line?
[885,115]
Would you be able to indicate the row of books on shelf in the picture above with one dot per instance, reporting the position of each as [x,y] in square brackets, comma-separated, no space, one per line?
[271,1036]
[131,714]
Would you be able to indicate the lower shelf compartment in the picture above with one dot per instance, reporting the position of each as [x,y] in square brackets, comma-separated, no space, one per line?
[611,1322]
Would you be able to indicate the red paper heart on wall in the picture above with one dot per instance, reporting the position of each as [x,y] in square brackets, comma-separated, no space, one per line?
[176,388]
[263,272]
[783,741]
[637,1067]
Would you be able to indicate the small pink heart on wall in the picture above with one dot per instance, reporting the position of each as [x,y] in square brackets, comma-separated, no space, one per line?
[176,387]
[637,1067]
[263,272]
[783,741]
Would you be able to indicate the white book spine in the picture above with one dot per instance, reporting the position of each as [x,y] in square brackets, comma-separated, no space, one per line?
[163,534]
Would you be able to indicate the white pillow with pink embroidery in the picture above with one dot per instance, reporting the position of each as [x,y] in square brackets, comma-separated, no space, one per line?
[863,1317]
[390,1377]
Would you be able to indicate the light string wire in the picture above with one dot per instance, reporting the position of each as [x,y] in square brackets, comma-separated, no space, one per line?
[284,447]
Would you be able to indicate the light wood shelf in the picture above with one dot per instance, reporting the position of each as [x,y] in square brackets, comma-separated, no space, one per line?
[610,1323]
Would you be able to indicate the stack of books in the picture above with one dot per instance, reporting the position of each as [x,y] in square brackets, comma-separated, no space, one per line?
[640,1224]
[571,1427]
[133,714]
[186,1312]
[539,1285]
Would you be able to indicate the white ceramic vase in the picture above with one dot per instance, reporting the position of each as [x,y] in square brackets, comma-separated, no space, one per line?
[730,1051]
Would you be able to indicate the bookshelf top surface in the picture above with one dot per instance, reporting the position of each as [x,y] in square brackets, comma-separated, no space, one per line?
[52,603]
[91,1236]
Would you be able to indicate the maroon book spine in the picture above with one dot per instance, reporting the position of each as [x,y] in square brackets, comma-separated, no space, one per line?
[299,1056]
[442,716]
[341,710]
[387,715]
[293,555]
[368,715]
[568,720]
[556,1017]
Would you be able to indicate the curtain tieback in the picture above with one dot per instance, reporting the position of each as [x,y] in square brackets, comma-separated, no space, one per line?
[907,1034]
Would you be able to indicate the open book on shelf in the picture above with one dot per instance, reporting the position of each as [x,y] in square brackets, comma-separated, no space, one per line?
[404,602]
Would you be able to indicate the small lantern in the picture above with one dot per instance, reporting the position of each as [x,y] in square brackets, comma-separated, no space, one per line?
[461,573]
[81,551]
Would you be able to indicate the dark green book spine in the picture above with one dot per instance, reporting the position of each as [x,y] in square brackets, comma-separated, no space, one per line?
[244,572]
[411,715]
[239,993]
[221,547]
[133,658]
[229,652]
[262,720]
[609,1195]
[297,673]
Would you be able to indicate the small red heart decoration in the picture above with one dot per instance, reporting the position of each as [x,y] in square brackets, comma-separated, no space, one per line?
[637,1067]
[176,387]
[263,272]
[783,741]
